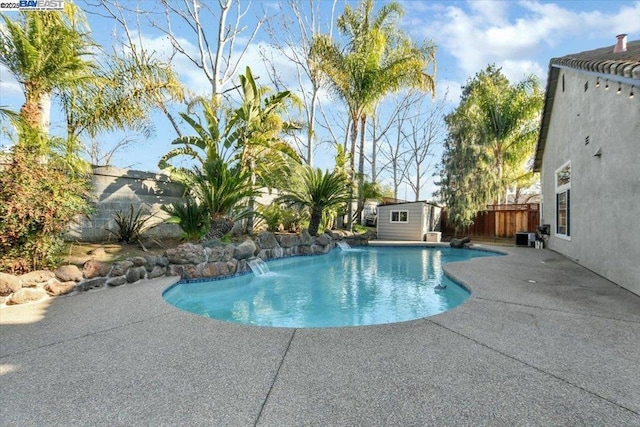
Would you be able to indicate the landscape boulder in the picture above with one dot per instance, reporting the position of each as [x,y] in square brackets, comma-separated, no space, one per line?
[150,262]
[55,288]
[25,295]
[139,261]
[289,240]
[93,268]
[68,273]
[219,253]
[459,243]
[9,284]
[35,278]
[245,250]
[186,253]
[219,269]
[306,238]
[157,271]
[120,268]
[135,273]
[323,240]
[357,240]
[116,281]
[96,282]
[267,240]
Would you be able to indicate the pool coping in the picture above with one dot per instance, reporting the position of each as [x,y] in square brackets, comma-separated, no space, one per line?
[541,341]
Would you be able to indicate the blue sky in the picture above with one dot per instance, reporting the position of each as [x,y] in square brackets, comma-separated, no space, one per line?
[519,36]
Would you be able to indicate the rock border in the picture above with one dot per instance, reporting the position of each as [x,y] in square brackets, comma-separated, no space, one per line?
[188,261]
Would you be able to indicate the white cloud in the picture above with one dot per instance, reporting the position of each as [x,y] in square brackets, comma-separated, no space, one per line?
[627,20]
[517,71]
[520,37]
[10,90]
[493,12]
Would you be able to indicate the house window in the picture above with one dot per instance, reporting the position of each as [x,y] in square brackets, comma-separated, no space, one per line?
[399,216]
[563,201]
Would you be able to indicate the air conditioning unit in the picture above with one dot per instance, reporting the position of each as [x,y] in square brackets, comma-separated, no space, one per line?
[433,236]
[525,239]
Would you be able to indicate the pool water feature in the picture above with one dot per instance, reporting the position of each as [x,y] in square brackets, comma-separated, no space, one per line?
[258,266]
[374,285]
[343,245]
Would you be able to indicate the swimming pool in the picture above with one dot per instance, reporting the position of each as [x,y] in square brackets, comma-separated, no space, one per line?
[364,286]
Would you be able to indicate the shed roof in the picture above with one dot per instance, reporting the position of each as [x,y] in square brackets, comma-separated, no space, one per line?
[625,65]
[424,202]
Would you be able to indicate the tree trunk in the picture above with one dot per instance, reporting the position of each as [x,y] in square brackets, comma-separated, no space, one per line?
[30,111]
[374,152]
[252,201]
[354,139]
[417,181]
[314,221]
[363,123]
[311,127]
[171,119]
[44,105]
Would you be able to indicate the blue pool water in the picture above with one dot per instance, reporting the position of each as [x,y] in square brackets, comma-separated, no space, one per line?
[367,286]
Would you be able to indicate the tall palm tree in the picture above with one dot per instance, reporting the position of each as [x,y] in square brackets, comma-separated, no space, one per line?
[377,60]
[508,124]
[318,191]
[46,52]
[255,130]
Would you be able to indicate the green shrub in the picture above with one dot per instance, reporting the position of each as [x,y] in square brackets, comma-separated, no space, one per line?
[293,220]
[192,217]
[272,216]
[359,229]
[37,203]
[131,226]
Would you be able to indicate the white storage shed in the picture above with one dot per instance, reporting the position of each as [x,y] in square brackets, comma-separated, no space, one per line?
[409,221]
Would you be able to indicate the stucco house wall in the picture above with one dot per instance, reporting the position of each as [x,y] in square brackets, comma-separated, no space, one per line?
[595,130]
[419,221]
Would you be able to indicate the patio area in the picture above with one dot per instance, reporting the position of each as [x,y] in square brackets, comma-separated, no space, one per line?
[541,341]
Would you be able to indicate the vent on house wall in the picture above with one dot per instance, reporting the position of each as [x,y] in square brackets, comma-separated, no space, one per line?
[586,140]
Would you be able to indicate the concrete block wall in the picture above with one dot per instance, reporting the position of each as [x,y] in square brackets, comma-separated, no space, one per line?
[116,190]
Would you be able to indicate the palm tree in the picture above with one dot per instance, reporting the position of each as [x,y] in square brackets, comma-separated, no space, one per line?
[370,191]
[255,130]
[318,191]
[206,145]
[223,189]
[508,120]
[491,137]
[217,180]
[121,95]
[378,59]
[47,53]
[191,215]
[252,131]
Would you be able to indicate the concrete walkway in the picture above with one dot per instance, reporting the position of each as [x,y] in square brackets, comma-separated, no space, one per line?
[542,341]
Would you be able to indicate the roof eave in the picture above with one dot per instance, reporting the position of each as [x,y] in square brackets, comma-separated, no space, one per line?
[552,84]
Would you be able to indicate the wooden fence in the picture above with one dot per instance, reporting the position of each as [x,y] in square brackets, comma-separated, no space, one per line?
[498,221]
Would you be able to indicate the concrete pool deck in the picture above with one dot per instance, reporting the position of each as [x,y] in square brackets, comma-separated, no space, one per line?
[542,341]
